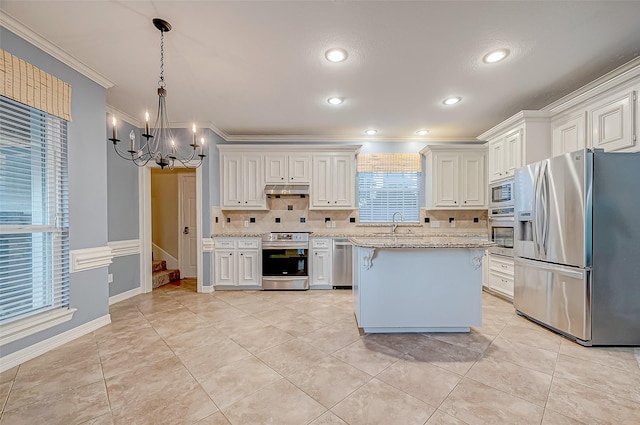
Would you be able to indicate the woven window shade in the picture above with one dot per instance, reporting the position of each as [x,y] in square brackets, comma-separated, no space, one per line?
[27,84]
[390,163]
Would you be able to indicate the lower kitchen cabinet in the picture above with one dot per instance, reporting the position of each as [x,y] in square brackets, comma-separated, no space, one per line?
[500,276]
[320,275]
[237,263]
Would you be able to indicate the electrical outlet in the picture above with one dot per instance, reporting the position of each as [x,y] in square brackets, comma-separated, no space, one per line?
[333,224]
[246,223]
[452,223]
[435,223]
[110,278]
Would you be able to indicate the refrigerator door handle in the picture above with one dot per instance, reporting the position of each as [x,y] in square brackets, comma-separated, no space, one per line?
[575,274]
[546,207]
[536,212]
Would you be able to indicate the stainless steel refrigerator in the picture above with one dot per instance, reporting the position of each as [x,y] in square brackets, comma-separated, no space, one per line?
[577,245]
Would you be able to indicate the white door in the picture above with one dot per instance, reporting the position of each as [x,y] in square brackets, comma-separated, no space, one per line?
[188,249]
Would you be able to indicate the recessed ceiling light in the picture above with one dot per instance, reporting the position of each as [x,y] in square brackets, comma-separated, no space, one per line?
[370,132]
[422,132]
[452,100]
[335,55]
[495,56]
[335,100]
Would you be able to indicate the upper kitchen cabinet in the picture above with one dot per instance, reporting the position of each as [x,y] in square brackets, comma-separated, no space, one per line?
[455,177]
[290,169]
[333,179]
[611,122]
[242,180]
[569,133]
[519,140]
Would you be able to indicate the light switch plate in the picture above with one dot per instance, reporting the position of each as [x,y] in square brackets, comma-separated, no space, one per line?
[435,223]
[110,278]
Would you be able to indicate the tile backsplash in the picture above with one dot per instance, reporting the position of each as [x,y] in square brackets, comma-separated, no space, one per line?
[294,216]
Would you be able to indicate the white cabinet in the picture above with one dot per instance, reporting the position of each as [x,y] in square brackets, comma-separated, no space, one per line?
[455,177]
[500,276]
[569,133]
[237,262]
[333,182]
[505,155]
[283,168]
[522,139]
[612,123]
[320,272]
[242,181]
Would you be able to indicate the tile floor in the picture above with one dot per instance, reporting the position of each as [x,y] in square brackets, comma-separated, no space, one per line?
[177,357]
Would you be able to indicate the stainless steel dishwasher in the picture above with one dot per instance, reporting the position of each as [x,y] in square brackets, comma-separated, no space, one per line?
[342,251]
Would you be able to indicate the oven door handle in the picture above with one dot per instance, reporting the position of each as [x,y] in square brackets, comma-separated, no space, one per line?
[284,246]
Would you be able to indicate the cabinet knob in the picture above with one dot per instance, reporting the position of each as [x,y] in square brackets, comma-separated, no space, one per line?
[238,201]
[455,202]
[465,202]
[241,254]
[291,178]
[281,178]
[245,202]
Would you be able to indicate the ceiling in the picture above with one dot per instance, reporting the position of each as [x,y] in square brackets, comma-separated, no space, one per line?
[255,70]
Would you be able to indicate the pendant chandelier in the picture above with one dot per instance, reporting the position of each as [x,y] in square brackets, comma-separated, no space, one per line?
[160,144]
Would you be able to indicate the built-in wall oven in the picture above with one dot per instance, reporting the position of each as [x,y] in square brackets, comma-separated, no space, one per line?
[285,261]
[501,221]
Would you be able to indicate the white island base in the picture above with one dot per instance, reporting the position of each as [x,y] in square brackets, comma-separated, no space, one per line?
[417,289]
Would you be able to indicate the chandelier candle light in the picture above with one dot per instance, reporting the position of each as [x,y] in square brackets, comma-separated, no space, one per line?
[160,144]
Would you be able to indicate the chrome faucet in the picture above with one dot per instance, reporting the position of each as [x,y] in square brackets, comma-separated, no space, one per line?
[393,219]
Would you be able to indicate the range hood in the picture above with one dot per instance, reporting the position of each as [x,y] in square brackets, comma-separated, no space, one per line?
[286,189]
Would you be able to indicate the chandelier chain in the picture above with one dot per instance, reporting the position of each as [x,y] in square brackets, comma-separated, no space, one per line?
[161,83]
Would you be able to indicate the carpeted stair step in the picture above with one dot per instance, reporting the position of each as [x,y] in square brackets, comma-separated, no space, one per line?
[165,276]
[158,265]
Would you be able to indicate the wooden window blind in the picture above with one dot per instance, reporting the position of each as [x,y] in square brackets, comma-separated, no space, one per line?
[390,163]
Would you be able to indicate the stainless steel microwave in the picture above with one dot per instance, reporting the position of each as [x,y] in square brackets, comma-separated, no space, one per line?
[501,199]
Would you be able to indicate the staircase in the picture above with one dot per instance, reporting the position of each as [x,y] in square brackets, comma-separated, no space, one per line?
[162,276]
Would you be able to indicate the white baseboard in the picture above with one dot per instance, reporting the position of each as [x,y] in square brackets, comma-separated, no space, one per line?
[125,295]
[207,289]
[39,348]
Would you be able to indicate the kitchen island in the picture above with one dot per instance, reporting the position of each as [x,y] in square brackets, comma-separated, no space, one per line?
[417,283]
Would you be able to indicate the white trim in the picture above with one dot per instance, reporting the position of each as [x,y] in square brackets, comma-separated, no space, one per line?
[514,120]
[199,270]
[30,325]
[207,289]
[89,258]
[183,262]
[22,31]
[120,115]
[37,349]
[125,295]
[207,245]
[292,148]
[144,224]
[122,248]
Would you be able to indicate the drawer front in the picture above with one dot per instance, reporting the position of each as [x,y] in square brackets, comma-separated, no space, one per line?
[320,243]
[501,265]
[224,243]
[501,283]
[248,244]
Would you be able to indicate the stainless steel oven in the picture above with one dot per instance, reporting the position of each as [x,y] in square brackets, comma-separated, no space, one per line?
[501,202]
[501,231]
[285,261]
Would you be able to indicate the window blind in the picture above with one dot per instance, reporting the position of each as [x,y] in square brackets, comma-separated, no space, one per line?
[34,230]
[388,183]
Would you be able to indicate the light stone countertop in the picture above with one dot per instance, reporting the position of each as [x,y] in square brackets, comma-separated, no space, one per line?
[421,241]
[237,235]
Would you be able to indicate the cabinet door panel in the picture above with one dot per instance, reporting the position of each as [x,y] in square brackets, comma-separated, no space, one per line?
[512,153]
[446,180]
[321,184]
[225,266]
[300,168]
[473,182]
[253,181]
[343,181]
[232,181]
[569,135]
[275,168]
[248,268]
[496,154]
[612,124]
[321,268]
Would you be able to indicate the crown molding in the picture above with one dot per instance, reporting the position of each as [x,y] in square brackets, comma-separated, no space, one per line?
[43,44]
[124,116]
[340,139]
[528,116]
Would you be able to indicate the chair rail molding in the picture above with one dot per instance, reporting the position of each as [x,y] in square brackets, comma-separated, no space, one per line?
[125,247]
[90,258]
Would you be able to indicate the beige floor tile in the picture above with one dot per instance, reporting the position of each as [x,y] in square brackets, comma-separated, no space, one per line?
[261,339]
[203,360]
[424,381]
[539,337]
[473,402]
[281,356]
[234,327]
[210,304]
[121,328]
[332,338]
[9,374]
[519,381]
[591,406]
[127,341]
[233,382]
[221,314]
[70,406]
[330,314]
[200,337]
[610,380]
[619,357]
[281,403]
[300,326]
[368,356]
[447,356]
[236,297]
[377,403]
[328,419]
[472,340]
[41,384]
[157,305]
[254,307]
[63,356]
[132,357]
[215,419]
[307,306]
[5,388]
[106,419]
[403,342]
[185,407]
[133,387]
[326,379]
[554,418]
[441,418]
[524,355]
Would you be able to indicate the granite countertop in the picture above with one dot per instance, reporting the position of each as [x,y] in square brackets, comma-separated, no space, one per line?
[421,241]
[237,235]
[387,234]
